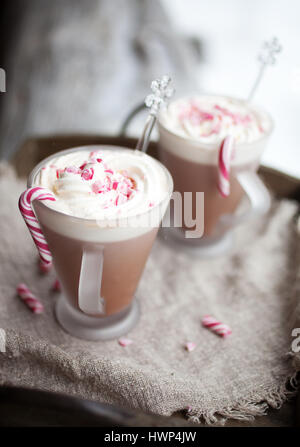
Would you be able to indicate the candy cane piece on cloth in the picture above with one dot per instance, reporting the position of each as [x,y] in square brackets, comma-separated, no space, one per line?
[123,341]
[216,326]
[25,206]
[225,156]
[27,296]
[56,287]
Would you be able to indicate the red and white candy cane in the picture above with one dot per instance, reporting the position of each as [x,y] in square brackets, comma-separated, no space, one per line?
[225,156]
[27,296]
[216,326]
[25,206]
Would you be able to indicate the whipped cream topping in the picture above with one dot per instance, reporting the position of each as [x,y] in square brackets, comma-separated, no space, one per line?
[103,184]
[212,118]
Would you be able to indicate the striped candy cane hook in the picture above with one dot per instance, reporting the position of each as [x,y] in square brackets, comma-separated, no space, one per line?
[225,156]
[25,206]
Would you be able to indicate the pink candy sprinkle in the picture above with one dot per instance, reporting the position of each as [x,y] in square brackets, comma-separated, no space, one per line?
[45,267]
[125,342]
[95,160]
[120,199]
[151,204]
[97,187]
[56,287]
[190,346]
[236,118]
[73,170]
[59,172]
[117,181]
[94,154]
[195,115]
[87,173]
[83,165]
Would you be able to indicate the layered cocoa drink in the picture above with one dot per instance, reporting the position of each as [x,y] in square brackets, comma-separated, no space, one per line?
[191,132]
[123,265]
[100,229]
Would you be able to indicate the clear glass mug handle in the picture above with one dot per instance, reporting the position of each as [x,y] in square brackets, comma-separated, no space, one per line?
[90,281]
[258,195]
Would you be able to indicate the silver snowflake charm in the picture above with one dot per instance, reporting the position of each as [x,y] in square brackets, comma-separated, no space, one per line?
[269,50]
[161,92]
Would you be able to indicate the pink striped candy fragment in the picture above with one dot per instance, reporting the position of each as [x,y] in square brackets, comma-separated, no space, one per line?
[56,286]
[124,342]
[225,156]
[88,173]
[29,299]
[25,206]
[190,346]
[45,267]
[216,326]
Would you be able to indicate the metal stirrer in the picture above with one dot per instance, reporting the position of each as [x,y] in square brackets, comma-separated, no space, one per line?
[161,91]
[266,57]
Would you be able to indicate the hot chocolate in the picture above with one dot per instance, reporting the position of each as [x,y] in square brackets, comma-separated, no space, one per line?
[191,131]
[101,227]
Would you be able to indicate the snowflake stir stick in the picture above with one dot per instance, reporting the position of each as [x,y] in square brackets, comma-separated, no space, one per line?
[267,56]
[161,92]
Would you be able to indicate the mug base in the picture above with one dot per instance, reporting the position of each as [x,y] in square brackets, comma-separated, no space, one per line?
[92,328]
[205,247]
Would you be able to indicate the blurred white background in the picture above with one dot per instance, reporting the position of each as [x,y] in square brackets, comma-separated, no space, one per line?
[232,32]
[75,66]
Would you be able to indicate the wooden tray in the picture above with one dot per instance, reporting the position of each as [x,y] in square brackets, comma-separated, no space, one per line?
[36,149]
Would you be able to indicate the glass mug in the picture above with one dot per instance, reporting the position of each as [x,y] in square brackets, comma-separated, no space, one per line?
[99,263]
[194,168]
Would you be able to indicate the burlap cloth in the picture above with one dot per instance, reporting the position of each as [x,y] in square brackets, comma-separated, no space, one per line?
[255,290]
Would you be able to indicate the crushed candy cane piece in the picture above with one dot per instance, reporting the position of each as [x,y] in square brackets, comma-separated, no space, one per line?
[56,287]
[124,341]
[216,326]
[73,170]
[97,187]
[29,299]
[59,172]
[44,267]
[87,173]
[190,346]
[117,188]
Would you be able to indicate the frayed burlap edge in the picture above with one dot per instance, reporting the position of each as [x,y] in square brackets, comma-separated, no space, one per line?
[258,405]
